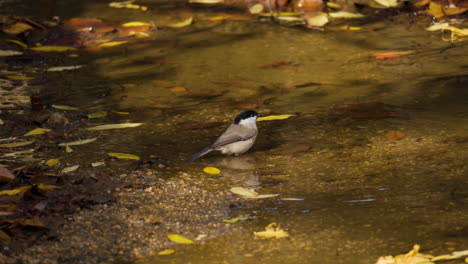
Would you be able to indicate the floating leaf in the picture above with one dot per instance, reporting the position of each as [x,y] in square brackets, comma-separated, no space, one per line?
[78,142]
[123,155]
[438,26]
[256,9]
[18,77]
[166,252]
[17,42]
[319,20]
[112,44]
[6,53]
[392,54]
[344,14]
[136,24]
[250,193]
[395,135]
[65,107]
[387,3]
[64,68]
[52,48]
[68,149]
[184,23]
[47,187]
[37,131]
[97,164]
[70,169]
[212,170]
[16,191]
[273,117]
[97,114]
[16,144]
[179,239]
[114,126]
[52,162]
[121,113]
[234,220]
[412,257]
[273,230]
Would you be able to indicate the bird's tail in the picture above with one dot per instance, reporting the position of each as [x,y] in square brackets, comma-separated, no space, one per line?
[199,154]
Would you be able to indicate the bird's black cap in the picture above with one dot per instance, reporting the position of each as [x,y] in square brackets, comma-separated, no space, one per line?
[244,115]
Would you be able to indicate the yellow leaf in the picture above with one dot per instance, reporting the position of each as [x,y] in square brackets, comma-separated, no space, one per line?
[16,144]
[37,131]
[52,162]
[256,9]
[123,155]
[64,68]
[68,149]
[52,48]
[70,169]
[97,114]
[5,53]
[18,77]
[387,3]
[16,191]
[97,164]
[112,44]
[114,126]
[65,107]
[19,43]
[344,14]
[273,230]
[436,10]
[179,239]
[166,252]
[47,187]
[217,18]
[234,220]
[212,170]
[121,113]
[184,23]
[333,5]
[319,20]
[273,117]
[136,24]
[250,193]
[78,142]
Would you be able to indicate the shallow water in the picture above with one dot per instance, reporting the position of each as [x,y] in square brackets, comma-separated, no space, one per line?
[364,195]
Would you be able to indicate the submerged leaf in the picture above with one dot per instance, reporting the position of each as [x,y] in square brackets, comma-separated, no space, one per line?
[184,23]
[344,14]
[37,131]
[5,174]
[65,107]
[97,114]
[123,155]
[179,239]
[16,191]
[70,169]
[18,77]
[68,149]
[319,20]
[387,3]
[273,230]
[256,9]
[97,164]
[64,68]
[78,142]
[136,24]
[273,117]
[52,162]
[250,193]
[16,144]
[114,126]
[6,53]
[112,44]
[412,257]
[395,135]
[453,255]
[212,170]
[47,187]
[52,48]
[166,252]
[17,42]
[234,220]
[208,2]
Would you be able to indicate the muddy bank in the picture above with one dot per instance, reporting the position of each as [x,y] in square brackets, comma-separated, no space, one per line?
[146,209]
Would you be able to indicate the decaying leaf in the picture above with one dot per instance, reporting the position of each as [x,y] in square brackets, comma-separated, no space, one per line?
[52,48]
[128,4]
[16,28]
[166,252]
[70,169]
[97,114]
[17,42]
[179,239]
[387,3]
[395,135]
[37,131]
[184,23]
[16,144]
[114,126]
[6,53]
[256,9]
[52,162]
[97,164]
[207,2]
[65,107]
[344,14]
[78,142]
[68,149]
[273,117]
[250,193]
[273,230]
[453,255]
[412,257]
[123,155]
[234,220]
[5,174]
[45,187]
[212,170]
[64,68]
[19,77]
[318,20]
[16,191]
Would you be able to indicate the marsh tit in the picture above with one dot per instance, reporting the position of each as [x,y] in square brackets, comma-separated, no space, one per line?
[238,137]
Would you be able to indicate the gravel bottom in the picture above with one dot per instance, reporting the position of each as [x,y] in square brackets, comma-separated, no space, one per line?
[138,223]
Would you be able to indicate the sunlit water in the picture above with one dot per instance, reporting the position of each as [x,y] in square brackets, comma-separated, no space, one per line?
[364,195]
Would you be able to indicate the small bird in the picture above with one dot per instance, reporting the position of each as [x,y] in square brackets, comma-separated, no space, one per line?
[238,137]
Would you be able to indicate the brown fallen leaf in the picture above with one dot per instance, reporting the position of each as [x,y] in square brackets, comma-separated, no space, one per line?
[5,174]
[395,135]
[289,150]
[178,89]
[277,64]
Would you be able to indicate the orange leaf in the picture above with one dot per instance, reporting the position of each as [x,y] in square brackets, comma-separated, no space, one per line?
[395,135]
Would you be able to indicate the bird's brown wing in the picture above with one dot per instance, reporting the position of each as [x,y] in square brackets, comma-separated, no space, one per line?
[234,133]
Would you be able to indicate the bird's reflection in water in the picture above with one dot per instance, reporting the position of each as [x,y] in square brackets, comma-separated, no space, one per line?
[240,170]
